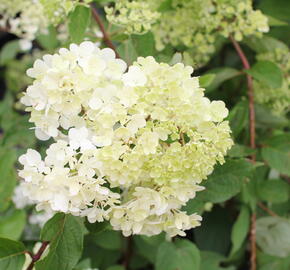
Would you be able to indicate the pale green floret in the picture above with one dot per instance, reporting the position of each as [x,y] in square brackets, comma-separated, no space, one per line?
[135,16]
[56,10]
[277,100]
[27,18]
[196,24]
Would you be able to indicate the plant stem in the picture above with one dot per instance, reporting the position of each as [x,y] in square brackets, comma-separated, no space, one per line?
[106,36]
[38,255]
[250,94]
[253,258]
[252,126]
[128,253]
[266,209]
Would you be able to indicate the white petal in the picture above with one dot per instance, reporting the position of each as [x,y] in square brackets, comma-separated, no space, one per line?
[40,135]
[108,54]
[95,103]
[134,77]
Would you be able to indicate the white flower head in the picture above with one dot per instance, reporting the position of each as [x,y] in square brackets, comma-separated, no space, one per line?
[79,138]
[134,77]
[149,132]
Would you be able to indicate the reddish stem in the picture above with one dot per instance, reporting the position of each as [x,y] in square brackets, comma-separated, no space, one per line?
[252,125]
[38,255]
[250,94]
[253,258]
[106,36]
[266,209]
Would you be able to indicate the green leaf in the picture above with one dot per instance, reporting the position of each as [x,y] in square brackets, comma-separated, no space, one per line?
[147,247]
[206,80]
[276,22]
[79,20]
[239,151]
[97,227]
[273,236]
[239,117]
[240,229]
[279,9]
[15,77]
[12,224]
[165,6]
[222,75]
[264,44]
[9,51]
[226,181]
[100,258]
[49,41]
[188,255]
[144,44]
[274,191]
[267,72]
[277,153]
[7,177]
[249,194]
[11,254]
[182,255]
[127,51]
[65,234]
[154,240]
[265,118]
[214,233]
[268,262]
[211,261]
[108,240]
[166,257]
[116,267]
[195,205]
[84,264]
[138,262]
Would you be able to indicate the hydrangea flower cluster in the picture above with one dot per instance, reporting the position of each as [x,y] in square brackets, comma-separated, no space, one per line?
[277,100]
[56,10]
[71,89]
[135,16]
[130,146]
[21,201]
[23,18]
[26,18]
[196,24]
[199,24]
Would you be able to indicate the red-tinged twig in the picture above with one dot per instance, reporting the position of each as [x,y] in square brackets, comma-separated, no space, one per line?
[106,36]
[38,255]
[253,258]
[266,209]
[285,177]
[252,125]
[250,94]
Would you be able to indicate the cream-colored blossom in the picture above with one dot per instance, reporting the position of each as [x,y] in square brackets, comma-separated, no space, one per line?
[24,18]
[27,18]
[150,132]
[75,87]
[66,181]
